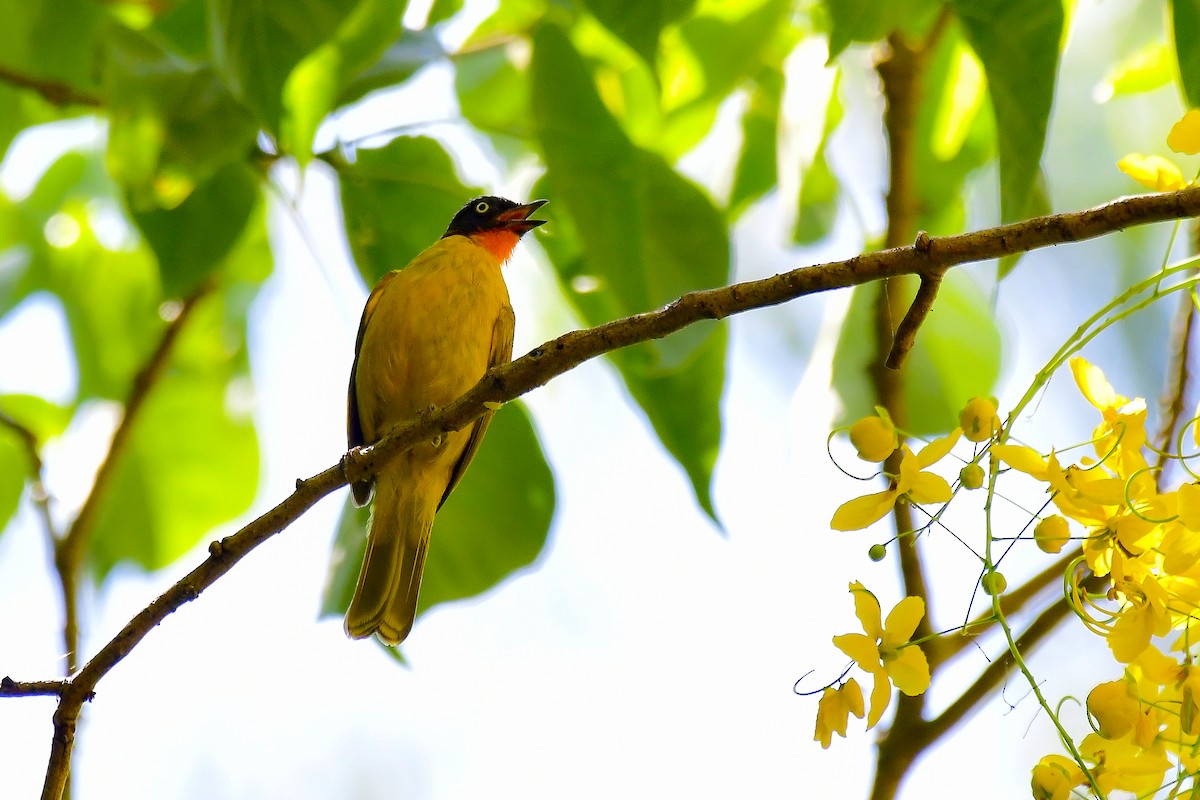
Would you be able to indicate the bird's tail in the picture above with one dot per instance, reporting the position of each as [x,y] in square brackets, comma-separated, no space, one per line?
[385,599]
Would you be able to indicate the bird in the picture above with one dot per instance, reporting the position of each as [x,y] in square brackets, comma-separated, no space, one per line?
[428,334]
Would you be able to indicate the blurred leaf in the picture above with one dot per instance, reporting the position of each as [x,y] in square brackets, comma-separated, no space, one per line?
[409,52]
[397,201]
[870,21]
[757,168]
[167,116]
[1185,21]
[442,10]
[53,40]
[956,357]
[495,523]
[492,93]
[1144,70]
[255,46]
[631,234]
[716,53]
[819,187]
[193,238]
[639,22]
[956,134]
[1017,42]
[43,420]
[312,88]
[191,461]
[187,469]
[183,26]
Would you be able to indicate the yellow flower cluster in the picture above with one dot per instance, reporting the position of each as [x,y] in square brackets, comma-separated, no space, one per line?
[1158,173]
[1135,581]
[882,650]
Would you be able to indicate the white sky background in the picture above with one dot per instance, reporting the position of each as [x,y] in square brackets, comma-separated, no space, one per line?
[646,654]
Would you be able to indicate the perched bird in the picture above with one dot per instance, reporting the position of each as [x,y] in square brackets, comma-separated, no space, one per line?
[428,334]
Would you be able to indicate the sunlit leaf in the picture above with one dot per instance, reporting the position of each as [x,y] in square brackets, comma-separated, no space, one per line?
[187,468]
[398,200]
[639,22]
[1017,42]
[1185,21]
[956,357]
[819,187]
[167,116]
[495,522]
[870,21]
[757,167]
[255,46]
[631,234]
[312,88]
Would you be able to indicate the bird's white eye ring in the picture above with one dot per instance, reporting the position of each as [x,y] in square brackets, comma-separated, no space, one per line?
[481,207]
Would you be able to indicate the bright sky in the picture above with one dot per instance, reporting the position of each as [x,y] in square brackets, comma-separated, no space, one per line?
[647,653]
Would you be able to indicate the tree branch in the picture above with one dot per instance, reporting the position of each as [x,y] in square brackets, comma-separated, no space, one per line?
[509,381]
[55,92]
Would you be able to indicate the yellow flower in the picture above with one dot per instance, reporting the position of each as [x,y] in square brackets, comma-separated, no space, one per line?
[1054,777]
[874,437]
[979,420]
[834,710]
[1115,708]
[1153,172]
[1123,432]
[1122,764]
[1143,616]
[1185,134]
[883,649]
[912,483]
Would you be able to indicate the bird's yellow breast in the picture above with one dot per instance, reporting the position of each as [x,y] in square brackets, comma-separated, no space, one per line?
[428,331]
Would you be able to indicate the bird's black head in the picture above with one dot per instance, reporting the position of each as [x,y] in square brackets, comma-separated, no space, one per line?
[491,213]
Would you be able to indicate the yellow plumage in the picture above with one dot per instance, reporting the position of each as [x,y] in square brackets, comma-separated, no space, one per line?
[428,334]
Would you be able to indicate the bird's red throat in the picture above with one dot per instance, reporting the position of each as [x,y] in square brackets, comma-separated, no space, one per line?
[500,243]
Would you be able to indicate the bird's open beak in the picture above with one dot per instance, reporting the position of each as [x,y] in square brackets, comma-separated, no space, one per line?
[517,219]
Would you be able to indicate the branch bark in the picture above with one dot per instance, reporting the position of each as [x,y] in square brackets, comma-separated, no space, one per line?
[509,381]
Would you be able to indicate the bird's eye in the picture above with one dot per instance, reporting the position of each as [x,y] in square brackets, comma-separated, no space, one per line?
[481,207]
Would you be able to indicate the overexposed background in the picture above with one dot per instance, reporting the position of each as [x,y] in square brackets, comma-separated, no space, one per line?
[647,653]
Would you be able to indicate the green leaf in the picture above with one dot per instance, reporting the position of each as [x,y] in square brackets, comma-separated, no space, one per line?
[717,53]
[256,45]
[1185,22]
[757,168]
[397,201]
[493,94]
[956,357]
[495,522]
[819,187]
[192,239]
[408,53]
[639,23]
[870,20]
[167,116]
[1017,42]
[38,417]
[631,234]
[956,134]
[53,40]
[191,462]
[311,90]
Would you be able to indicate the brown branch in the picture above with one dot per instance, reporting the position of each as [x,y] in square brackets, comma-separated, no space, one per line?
[994,675]
[1175,390]
[55,92]
[68,551]
[918,311]
[11,688]
[509,381]
[1011,602]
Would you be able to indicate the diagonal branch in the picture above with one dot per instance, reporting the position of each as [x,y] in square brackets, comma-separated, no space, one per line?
[55,92]
[507,382]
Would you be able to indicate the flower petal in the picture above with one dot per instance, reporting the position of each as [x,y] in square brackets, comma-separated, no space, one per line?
[860,648]
[866,608]
[881,695]
[910,671]
[903,621]
[1185,134]
[1153,172]
[1092,383]
[863,511]
[938,449]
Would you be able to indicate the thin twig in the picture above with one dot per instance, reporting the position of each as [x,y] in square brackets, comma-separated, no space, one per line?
[918,311]
[1175,391]
[509,381]
[54,92]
